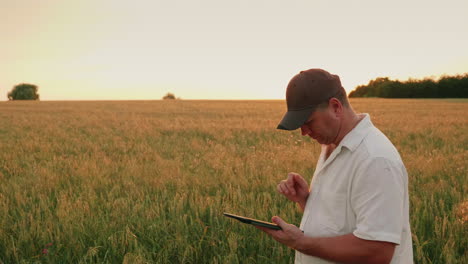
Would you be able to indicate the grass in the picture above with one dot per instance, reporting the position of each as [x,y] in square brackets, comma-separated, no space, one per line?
[148,181]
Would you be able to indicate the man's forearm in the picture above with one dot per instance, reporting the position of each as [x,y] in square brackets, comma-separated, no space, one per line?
[347,249]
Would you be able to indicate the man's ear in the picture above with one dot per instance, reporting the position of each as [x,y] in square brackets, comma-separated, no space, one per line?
[336,106]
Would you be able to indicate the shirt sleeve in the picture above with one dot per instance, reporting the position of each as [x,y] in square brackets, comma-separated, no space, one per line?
[377,199]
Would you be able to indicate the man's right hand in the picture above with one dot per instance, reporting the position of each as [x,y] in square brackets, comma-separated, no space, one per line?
[295,188]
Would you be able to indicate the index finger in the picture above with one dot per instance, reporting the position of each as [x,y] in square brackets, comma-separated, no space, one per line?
[290,180]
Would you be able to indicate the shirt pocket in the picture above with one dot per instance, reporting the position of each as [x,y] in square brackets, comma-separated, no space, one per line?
[332,215]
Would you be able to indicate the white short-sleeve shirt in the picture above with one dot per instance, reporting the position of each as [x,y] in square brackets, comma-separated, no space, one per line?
[361,188]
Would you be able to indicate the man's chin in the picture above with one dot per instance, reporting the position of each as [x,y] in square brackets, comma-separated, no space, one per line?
[322,141]
[318,139]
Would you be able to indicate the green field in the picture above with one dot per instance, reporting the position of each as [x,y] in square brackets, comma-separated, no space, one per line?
[148,181]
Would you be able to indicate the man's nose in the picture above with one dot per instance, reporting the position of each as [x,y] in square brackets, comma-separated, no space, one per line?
[305,130]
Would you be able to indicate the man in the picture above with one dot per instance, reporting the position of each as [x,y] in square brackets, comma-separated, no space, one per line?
[356,210]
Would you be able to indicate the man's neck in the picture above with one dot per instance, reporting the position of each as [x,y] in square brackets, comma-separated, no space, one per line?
[349,121]
[329,149]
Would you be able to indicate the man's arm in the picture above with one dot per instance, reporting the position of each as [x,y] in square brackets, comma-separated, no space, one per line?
[347,249]
[344,249]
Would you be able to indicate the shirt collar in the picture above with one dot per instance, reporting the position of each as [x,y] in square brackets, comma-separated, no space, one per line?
[357,134]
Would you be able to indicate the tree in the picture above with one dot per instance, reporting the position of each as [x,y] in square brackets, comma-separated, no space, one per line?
[24,91]
[170,96]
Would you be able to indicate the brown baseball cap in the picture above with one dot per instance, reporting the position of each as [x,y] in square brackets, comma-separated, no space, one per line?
[305,92]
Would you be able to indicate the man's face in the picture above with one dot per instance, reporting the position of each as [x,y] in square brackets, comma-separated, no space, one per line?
[322,125]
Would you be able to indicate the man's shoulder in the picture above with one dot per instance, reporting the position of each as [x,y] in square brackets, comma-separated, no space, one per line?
[377,145]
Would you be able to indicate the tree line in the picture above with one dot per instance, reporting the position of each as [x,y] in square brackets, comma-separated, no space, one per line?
[445,87]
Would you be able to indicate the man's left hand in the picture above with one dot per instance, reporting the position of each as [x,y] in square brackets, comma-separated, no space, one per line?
[290,235]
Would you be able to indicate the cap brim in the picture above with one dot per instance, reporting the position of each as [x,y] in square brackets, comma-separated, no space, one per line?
[293,120]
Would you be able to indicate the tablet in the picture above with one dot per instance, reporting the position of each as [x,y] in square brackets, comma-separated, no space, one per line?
[251,221]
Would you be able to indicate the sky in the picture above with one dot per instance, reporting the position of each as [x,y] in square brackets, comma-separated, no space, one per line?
[219,49]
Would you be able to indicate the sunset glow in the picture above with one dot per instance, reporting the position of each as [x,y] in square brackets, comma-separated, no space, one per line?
[211,49]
